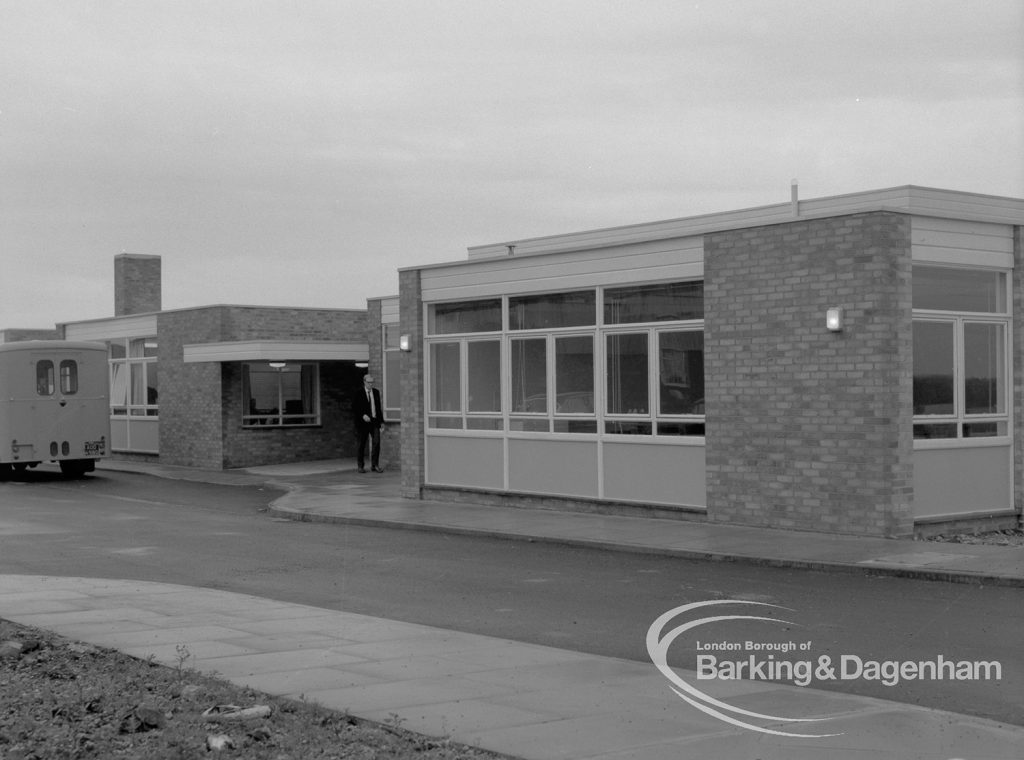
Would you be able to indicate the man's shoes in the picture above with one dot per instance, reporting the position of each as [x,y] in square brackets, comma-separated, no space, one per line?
[362,469]
[377,469]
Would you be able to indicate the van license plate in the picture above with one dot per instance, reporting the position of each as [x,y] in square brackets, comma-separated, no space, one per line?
[94,447]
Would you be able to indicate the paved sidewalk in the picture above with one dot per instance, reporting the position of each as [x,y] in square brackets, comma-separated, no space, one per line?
[332,491]
[524,700]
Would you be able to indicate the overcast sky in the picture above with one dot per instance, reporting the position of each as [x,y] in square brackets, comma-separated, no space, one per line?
[297,153]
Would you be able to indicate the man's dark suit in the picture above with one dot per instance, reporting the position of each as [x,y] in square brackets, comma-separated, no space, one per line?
[360,408]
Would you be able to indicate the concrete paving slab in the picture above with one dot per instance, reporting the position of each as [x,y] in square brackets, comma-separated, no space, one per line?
[193,654]
[471,716]
[398,695]
[304,683]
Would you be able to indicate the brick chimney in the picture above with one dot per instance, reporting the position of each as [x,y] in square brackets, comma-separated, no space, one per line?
[136,284]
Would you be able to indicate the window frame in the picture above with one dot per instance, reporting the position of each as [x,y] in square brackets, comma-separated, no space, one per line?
[46,378]
[683,428]
[123,372]
[68,380]
[280,419]
[959,419]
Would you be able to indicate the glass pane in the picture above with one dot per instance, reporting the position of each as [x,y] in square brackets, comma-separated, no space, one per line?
[465,317]
[529,375]
[574,375]
[681,367]
[445,387]
[262,397]
[152,383]
[138,384]
[627,374]
[44,377]
[116,349]
[627,428]
[529,424]
[984,369]
[445,423]
[552,310]
[959,289]
[570,425]
[483,358]
[118,384]
[291,392]
[654,303]
[137,348]
[69,376]
[943,430]
[933,368]
[484,423]
[984,429]
[391,336]
[680,428]
[149,347]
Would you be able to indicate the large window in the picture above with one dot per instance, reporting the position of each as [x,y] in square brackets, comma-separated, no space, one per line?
[961,377]
[471,400]
[134,378]
[615,361]
[277,393]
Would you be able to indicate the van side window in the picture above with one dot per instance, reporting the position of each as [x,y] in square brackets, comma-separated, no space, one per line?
[44,377]
[69,376]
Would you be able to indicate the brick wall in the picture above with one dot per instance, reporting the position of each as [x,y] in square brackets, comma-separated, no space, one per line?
[190,394]
[808,429]
[137,285]
[201,402]
[267,323]
[411,324]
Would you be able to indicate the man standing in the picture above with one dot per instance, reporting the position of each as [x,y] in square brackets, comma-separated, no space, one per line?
[369,419]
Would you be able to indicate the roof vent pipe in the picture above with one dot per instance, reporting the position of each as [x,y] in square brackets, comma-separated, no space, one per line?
[794,196]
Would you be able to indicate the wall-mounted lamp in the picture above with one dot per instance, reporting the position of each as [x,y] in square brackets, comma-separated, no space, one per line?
[278,365]
[405,342]
[362,365]
[834,319]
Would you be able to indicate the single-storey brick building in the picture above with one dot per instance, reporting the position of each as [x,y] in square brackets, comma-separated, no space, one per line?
[225,386]
[850,364]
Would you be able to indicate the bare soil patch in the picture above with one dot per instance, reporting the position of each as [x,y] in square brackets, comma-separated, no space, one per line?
[1010,537]
[61,699]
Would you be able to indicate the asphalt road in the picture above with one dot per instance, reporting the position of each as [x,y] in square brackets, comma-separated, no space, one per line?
[122,525]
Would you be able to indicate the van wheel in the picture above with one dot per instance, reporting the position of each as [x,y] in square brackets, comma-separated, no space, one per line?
[73,468]
[5,471]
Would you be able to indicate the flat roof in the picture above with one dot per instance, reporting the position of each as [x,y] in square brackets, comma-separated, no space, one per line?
[911,199]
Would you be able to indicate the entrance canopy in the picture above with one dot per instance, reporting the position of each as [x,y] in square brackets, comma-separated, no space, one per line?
[275,350]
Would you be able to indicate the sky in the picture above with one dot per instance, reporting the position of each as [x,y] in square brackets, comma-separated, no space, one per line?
[298,153]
